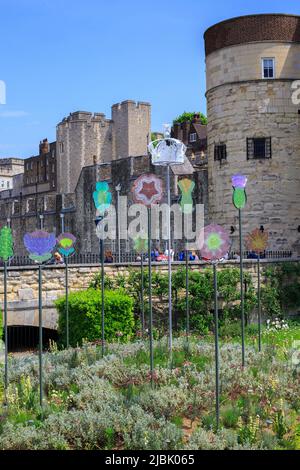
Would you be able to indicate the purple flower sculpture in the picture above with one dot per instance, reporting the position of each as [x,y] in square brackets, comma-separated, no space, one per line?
[40,245]
[239,198]
[239,181]
[215,243]
[65,242]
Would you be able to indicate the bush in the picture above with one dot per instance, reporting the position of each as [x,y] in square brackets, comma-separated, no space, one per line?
[201,296]
[85,316]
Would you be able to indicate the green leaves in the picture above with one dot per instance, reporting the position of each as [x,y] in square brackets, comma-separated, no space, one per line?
[184,117]
[85,316]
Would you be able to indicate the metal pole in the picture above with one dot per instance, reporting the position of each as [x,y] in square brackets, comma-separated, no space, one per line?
[169,264]
[216,345]
[40,335]
[142,295]
[62,217]
[5,330]
[187,307]
[259,303]
[119,228]
[67,300]
[242,288]
[150,296]
[102,291]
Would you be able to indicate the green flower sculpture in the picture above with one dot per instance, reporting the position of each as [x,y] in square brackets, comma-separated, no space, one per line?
[102,197]
[186,187]
[6,244]
[239,183]
[141,244]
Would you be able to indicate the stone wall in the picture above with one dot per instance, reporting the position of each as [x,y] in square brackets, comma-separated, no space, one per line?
[85,139]
[240,106]
[237,112]
[232,64]
[23,286]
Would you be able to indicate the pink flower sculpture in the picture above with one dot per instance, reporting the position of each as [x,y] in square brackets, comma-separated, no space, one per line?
[147,190]
[215,242]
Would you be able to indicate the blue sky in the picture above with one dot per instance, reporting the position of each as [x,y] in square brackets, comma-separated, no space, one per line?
[58,56]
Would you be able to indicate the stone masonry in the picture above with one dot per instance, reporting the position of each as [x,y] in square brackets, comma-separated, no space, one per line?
[23,286]
[242,105]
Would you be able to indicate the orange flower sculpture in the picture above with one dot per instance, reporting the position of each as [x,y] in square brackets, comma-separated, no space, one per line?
[257,241]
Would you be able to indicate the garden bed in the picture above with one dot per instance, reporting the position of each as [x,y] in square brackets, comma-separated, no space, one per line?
[108,403]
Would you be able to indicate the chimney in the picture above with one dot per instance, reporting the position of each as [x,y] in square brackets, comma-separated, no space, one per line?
[44,147]
[196,118]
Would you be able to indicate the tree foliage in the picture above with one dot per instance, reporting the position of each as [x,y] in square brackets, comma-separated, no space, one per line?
[188,117]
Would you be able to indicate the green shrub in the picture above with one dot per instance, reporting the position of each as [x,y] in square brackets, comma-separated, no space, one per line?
[201,296]
[85,316]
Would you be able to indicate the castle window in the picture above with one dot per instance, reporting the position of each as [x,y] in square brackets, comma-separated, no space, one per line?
[220,152]
[268,68]
[61,147]
[259,148]
[193,137]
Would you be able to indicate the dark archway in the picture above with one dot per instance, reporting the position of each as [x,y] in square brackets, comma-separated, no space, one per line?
[26,338]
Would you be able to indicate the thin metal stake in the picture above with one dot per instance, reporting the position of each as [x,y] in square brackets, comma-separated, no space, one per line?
[67,300]
[142,295]
[259,303]
[169,266]
[150,296]
[5,331]
[216,345]
[102,293]
[40,335]
[187,307]
[242,288]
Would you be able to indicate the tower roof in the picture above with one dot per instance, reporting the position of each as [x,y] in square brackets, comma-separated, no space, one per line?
[252,28]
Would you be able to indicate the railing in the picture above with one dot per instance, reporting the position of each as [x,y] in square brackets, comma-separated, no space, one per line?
[132,257]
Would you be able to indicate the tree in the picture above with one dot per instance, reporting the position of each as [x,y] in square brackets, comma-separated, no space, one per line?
[6,243]
[184,117]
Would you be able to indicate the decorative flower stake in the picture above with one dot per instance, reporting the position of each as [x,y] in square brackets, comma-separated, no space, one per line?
[215,243]
[141,244]
[6,244]
[147,190]
[186,187]
[65,244]
[239,200]
[102,197]
[40,245]
[239,183]
[257,241]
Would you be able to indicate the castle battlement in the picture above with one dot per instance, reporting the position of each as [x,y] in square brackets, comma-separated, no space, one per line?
[85,138]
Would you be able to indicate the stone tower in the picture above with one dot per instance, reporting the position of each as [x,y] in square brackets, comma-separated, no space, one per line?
[253,123]
[84,139]
[132,127]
